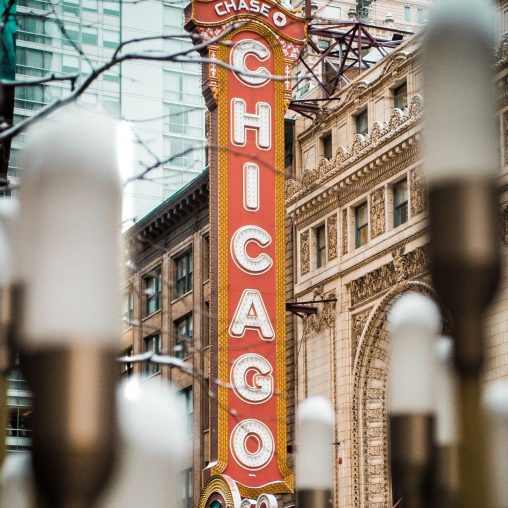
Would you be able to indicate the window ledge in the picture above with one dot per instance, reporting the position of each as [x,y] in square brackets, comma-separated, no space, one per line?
[151,315]
[181,296]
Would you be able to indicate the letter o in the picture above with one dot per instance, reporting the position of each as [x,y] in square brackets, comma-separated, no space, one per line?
[258,432]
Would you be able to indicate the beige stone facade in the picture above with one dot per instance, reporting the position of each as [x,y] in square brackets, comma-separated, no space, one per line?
[369,198]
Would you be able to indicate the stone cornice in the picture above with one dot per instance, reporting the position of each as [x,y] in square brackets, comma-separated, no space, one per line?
[378,255]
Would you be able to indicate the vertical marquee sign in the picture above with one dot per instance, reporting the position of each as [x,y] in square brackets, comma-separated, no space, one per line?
[249,47]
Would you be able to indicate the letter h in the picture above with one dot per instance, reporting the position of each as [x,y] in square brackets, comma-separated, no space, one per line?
[260,121]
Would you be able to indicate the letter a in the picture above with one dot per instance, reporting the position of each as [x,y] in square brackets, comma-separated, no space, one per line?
[251,314]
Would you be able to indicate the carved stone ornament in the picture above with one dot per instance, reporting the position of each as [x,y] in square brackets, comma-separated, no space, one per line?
[358,324]
[404,267]
[292,187]
[331,228]
[304,252]
[326,311]
[370,447]
[417,193]
[502,51]
[504,224]
[344,232]
[400,264]
[377,213]
[361,146]
[505,136]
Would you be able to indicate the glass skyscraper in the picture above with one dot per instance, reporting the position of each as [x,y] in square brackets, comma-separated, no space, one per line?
[160,100]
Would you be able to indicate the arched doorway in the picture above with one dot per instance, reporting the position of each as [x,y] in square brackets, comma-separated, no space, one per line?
[371,476]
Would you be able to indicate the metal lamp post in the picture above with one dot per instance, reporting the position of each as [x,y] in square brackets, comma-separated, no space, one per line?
[70,238]
[314,459]
[461,167]
[414,322]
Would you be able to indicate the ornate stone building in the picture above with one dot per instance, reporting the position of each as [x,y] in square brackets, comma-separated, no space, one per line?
[357,239]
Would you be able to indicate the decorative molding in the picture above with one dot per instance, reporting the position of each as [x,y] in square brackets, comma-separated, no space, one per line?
[304,253]
[502,52]
[345,246]
[371,487]
[325,317]
[358,322]
[399,121]
[504,224]
[505,136]
[377,213]
[331,229]
[417,192]
[367,177]
[502,92]
[361,264]
[403,267]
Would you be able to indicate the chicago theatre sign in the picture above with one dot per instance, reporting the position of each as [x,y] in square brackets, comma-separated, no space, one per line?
[248,47]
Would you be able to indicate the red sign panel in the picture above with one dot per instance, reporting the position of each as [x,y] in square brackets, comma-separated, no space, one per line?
[248,87]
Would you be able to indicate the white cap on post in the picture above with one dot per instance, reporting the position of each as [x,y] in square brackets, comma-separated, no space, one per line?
[414,322]
[9,211]
[459,49]
[5,258]
[70,232]
[314,445]
[152,449]
[445,392]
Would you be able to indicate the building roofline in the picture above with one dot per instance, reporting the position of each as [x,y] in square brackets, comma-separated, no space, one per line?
[173,210]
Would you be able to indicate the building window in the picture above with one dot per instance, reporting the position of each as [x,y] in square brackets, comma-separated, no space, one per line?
[89,35]
[400,203]
[153,289]
[110,39]
[89,5]
[400,96]
[326,146]
[206,257]
[187,488]
[189,408]
[320,235]
[126,369]
[153,345]
[407,13]
[111,7]
[205,417]
[205,338]
[183,273]
[71,34]
[361,225]
[71,7]
[420,15]
[70,63]
[362,122]
[183,337]
[19,416]
[289,136]
[128,309]
[330,12]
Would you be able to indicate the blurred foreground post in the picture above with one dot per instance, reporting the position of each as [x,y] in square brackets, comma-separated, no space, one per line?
[314,448]
[414,322]
[70,233]
[461,166]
